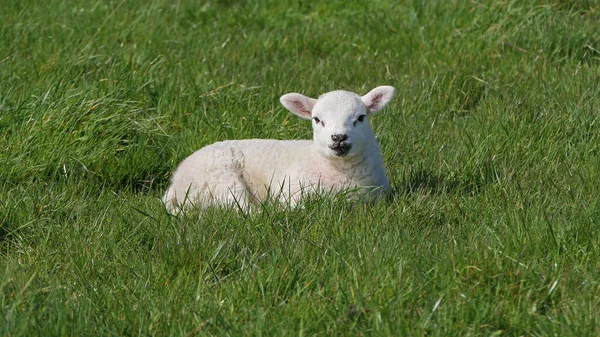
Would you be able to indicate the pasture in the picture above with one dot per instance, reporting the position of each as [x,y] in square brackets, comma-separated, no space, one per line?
[491,146]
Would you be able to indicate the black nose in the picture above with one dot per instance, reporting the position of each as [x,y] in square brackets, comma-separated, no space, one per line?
[339,138]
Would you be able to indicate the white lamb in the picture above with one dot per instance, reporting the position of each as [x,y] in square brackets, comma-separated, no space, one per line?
[343,154]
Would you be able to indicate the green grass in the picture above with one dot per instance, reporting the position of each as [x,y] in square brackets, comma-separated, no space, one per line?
[491,144]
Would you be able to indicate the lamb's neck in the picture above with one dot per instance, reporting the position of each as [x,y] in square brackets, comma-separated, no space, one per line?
[370,157]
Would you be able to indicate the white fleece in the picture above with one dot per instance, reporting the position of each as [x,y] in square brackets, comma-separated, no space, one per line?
[343,154]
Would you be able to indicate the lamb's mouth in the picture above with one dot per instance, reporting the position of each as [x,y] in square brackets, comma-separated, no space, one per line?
[341,149]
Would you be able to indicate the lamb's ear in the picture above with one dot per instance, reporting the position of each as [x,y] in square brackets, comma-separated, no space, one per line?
[378,98]
[298,104]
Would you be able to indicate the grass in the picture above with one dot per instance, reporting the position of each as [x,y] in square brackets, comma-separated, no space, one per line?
[492,146]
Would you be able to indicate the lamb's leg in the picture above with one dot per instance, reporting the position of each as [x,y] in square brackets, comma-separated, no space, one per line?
[211,176]
[170,201]
[235,194]
[180,197]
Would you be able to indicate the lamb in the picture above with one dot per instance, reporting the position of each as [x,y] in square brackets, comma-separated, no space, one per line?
[343,154]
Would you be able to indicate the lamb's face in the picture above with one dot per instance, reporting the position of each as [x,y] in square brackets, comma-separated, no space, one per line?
[340,125]
[340,118]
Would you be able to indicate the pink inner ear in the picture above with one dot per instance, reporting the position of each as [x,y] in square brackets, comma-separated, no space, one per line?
[301,108]
[375,100]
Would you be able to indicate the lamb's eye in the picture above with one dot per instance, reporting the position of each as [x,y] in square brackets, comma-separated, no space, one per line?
[318,121]
[360,118]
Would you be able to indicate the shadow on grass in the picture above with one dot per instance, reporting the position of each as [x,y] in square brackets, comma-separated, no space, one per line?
[424,180]
[9,232]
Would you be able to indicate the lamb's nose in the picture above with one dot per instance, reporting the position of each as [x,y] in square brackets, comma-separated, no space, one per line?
[339,137]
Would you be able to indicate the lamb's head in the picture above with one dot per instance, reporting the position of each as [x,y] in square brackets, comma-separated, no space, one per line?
[340,118]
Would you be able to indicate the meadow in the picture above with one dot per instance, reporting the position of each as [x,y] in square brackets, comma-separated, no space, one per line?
[491,145]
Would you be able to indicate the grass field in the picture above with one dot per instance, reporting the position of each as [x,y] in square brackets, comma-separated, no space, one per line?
[491,145]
